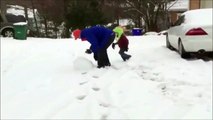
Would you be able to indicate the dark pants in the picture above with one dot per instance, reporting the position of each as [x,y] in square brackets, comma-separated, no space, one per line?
[103,59]
[124,56]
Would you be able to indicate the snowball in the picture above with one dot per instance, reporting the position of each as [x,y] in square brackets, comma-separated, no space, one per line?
[82,64]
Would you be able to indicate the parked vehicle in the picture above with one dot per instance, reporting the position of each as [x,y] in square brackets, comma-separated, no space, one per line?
[191,33]
[7,21]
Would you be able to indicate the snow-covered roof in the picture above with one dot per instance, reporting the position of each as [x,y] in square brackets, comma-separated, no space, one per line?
[19,10]
[179,5]
[20,23]
[125,22]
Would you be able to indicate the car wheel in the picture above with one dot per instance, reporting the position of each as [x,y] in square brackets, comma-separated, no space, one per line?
[8,33]
[168,45]
[182,51]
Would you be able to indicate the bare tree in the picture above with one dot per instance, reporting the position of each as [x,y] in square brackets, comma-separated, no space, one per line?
[150,10]
[50,10]
[34,16]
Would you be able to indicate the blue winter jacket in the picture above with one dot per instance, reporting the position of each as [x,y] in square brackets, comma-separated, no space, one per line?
[97,36]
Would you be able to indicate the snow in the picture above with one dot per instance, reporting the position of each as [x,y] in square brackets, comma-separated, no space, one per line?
[125,22]
[20,23]
[82,64]
[19,10]
[16,10]
[199,17]
[54,79]
[151,33]
[179,5]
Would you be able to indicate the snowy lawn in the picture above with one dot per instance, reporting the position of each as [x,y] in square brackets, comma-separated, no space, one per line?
[54,79]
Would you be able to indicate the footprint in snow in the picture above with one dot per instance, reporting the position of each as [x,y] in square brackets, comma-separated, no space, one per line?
[104,117]
[81,94]
[104,104]
[81,97]
[95,76]
[82,83]
[96,88]
[156,74]
[83,73]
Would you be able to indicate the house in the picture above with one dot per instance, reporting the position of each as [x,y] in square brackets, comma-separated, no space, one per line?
[197,4]
[206,4]
[179,6]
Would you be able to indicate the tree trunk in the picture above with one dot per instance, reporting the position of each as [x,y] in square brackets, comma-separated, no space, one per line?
[34,16]
[153,27]
[66,33]
[56,30]
[45,25]
[26,12]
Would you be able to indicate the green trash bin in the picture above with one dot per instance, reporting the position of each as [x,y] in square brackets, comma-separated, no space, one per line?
[20,30]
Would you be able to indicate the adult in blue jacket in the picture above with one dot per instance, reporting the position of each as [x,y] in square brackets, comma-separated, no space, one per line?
[100,39]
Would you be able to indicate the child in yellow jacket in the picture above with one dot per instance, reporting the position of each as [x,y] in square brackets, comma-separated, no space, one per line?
[122,42]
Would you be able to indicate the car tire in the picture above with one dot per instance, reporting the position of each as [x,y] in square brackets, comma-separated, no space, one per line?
[8,32]
[168,45]
[182,51]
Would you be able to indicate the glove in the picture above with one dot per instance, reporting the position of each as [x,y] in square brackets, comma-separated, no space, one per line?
[88,51]
[113,45]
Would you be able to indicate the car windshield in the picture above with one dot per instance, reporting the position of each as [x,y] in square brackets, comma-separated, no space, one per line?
[13,18]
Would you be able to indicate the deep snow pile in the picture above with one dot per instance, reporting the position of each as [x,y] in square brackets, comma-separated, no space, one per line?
[55,79]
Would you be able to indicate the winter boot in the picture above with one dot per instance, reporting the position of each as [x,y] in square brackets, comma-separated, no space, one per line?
[126,57]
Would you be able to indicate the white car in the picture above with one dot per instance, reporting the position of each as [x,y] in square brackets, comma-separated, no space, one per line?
[191,33]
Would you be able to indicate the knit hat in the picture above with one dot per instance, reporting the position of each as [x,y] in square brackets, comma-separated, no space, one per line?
[76,33]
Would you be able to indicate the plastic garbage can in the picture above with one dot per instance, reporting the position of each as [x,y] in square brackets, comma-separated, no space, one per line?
[136,31]
[20,30]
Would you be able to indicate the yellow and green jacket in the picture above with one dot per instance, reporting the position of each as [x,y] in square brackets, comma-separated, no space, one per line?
[118,32]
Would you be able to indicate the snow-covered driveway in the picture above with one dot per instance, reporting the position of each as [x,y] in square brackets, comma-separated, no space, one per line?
[53,78]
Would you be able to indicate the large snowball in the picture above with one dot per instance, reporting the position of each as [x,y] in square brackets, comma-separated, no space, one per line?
[82,64]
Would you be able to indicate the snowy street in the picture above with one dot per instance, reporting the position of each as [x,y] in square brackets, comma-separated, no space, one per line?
[54,79]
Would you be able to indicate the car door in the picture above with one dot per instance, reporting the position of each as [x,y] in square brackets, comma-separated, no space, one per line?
[175,32]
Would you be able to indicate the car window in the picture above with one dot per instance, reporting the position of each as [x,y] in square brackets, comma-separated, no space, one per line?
[13,18]
[179,21]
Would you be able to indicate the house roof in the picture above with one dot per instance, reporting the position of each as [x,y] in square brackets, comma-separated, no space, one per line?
[179,5]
